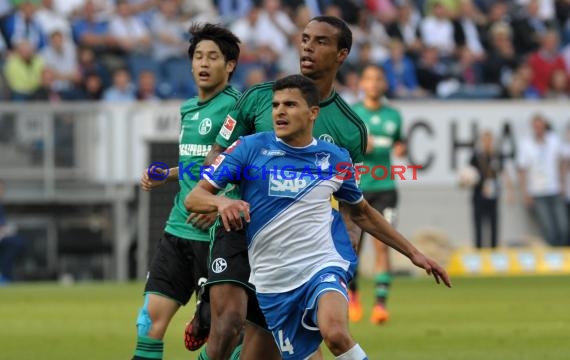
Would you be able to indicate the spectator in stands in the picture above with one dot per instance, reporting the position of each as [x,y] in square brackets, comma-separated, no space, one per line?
[488,161]
[169,38]
[146,86]
[88,64]
[92,33]
[200,11]
[255,76]
[350,91]
[468,30]
[50,20]
[559,88]
[528,27]
[48,89]
[372,32]
[545,8]
[91,87]
[431,71]
[230,10]
[405,28]
[61,56]
[519,86]
[436,31]
[122,90]
[451,7]
[541,179]
[501,61]
[383,10]
[23,70]
[22,25]
[401,73]
[130,33]
[545,61]
[498,12]
[11,245]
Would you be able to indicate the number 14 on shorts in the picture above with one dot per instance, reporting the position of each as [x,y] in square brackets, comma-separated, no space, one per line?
[284,344]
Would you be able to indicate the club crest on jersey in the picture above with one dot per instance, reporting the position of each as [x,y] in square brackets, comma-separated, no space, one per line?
[323,160]
[286,184]
[205,126]
[327,138]
[228,127]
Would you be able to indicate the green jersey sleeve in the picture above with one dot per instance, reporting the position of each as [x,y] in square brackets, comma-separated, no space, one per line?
[240,121]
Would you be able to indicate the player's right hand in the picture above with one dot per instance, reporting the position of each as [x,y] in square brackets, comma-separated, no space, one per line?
[231,212]
[147,184]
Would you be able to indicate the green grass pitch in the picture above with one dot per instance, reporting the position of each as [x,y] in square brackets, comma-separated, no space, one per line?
[478,319]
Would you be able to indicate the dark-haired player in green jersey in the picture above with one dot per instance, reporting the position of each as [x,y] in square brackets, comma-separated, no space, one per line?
[325,44]
[181,258]
[384,125]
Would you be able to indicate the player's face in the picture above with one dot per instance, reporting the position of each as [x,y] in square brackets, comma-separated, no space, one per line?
[319,53]
[209,67]
[373,83]
[292,117]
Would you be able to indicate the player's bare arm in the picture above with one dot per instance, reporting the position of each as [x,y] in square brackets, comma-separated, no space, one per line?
[371,221]
[147,183]
[216,150]
[202,199]
[354,232]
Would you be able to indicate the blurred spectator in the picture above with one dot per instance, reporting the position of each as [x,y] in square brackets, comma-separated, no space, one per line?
[498,12]
[199,11]
[11,245]
[87,64]
[437,30]
[47,90]
[130,33]
[288,62]
[520,86]
[384,10]
[501,61]
[541,179]
[146,87]
[467,70]
[401,73]
[372,32]
[487,160]
[5,7]
[450,6]
[563,18]
[143,10]
[559,89]
[91,87]
[544,61]
[61,57]
[103,9]
[546,9]
[528,28]
[122,89]
[23,70]
[468,29]
[405,28]
[255,76]
[22,25]
[565,52]
[230,10]
[92,33]
[350,92]
[430,71]
[168,32]
[50,20]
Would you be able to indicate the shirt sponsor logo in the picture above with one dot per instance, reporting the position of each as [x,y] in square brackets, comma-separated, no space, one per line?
[328,278]
[286,184]
[267,152]
[228,127]
[194,149]
[219,265]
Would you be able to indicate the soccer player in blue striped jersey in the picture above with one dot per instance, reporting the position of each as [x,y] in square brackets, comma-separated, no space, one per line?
[299,264]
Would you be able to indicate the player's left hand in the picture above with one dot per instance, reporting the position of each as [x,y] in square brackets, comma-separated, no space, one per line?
[432,268]
[201,221]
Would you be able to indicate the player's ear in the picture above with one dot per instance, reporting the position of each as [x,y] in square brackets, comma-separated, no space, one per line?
[230,66]
[341,55]
[315,112]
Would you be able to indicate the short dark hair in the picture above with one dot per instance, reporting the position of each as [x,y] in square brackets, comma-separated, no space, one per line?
[344,40]
[224,38]
[307,87]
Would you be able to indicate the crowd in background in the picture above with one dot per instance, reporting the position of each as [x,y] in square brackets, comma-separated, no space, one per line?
[124,50]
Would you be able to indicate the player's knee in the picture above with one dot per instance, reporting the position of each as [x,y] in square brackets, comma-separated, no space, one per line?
[144,321]
[337,338]
[228,324]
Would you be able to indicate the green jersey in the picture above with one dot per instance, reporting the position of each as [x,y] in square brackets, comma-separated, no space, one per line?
[201,122]
[337,123]
[385,127]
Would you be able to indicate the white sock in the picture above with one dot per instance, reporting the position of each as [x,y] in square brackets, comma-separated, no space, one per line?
[356,353]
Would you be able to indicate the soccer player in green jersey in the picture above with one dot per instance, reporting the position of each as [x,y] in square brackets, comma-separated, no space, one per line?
[181,258]
[325,44]
[384,125]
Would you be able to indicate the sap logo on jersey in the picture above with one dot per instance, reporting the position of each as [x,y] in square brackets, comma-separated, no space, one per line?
[286,184]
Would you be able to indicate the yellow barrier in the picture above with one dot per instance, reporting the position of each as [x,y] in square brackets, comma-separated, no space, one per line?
[519,261]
